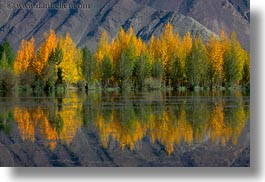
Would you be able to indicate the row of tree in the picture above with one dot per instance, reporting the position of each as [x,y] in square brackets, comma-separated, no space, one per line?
[172,60]
[127,62]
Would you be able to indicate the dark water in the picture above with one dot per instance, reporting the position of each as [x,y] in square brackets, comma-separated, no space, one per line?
[133,129]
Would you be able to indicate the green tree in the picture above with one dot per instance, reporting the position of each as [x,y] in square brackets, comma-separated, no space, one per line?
[231,68]
[88,66]
[50,72]
[10,53]
[4,62]
[124,68]
[157,69]
[141,70]
[233,62]
[56,56]
[196,63]
[176,72]
[51,76]
[246,72]
[7,76]
[106,71]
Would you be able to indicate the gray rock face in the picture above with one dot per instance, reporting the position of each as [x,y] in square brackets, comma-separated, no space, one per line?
[230,15]
[86,25]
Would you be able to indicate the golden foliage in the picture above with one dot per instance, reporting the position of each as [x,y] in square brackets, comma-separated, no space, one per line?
[30,121]
[71,118]
[26,125]
[46,48]
[26,56]
[103,48]
[71,61]
[185,47]
[160,129]
[169,130]
[216,57]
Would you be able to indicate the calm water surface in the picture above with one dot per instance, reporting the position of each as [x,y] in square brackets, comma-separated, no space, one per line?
[133,129]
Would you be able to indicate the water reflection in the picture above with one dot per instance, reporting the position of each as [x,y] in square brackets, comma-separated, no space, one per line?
[54,124]
[169,119]
[183,123]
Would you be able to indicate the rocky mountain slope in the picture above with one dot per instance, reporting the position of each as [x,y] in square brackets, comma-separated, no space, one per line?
[146,17]
[230,15]
[85,25]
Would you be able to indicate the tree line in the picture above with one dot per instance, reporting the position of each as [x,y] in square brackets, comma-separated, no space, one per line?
[126,62]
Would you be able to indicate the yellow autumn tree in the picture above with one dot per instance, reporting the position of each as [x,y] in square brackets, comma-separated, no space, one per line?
[124,41]
[165,51]
[152,48]
[139,45]
[162,54]
[215,61]
[185,48]
[121,43]
[103,54]
[172,41]
[26,56]
[182,52]
[46,48]
[103,48]
[71,61]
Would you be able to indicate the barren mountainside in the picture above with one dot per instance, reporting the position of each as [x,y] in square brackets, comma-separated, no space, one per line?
[146,17]
[230,15]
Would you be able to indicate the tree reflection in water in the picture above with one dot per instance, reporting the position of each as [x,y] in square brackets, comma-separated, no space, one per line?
[54,124]
[167,119]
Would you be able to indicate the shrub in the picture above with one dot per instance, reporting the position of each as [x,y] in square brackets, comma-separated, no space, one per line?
[80,85]
[8,80]
[157,69]
[153,84]
[26,80]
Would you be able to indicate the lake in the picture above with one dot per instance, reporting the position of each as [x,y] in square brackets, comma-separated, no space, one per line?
[126,129]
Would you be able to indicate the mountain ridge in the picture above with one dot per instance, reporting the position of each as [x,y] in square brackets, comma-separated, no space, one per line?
[230,15]
[86,25]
